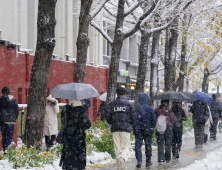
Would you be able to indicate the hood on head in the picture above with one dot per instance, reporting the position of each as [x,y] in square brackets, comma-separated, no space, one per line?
[144,98]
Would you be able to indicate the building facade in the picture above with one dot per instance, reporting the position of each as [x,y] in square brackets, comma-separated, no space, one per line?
[19,25]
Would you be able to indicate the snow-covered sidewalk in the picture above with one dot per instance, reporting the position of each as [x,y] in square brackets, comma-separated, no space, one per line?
[213,161]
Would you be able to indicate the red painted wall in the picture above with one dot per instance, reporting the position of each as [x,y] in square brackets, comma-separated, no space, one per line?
[15,70]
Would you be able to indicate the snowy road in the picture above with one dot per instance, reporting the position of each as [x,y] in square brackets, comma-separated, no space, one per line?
[188,156]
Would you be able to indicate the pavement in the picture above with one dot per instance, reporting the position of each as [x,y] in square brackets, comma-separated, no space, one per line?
[189,153]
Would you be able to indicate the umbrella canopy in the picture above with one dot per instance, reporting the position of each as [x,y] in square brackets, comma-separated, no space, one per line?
[103,97]
[204,97]
[171,95]
[74,91]
[191,96]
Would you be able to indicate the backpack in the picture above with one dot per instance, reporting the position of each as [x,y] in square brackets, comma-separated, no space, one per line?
[161,123]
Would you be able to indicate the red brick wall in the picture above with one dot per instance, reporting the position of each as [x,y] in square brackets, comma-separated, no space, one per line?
[15,73]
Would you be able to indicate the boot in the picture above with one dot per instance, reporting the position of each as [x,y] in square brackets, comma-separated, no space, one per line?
[138,165]
[205,138]
[177,154]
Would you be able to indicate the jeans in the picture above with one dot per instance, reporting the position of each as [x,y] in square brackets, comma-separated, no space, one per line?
[148,148]
[49,140]
[213,128]
[7,134]
[164,144]
[177,139]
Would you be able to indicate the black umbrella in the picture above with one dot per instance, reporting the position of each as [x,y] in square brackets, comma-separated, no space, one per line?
[171,95]
[74,91]
[191,96]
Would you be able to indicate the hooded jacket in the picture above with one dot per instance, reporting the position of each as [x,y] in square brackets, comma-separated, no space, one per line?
[145,113]
[121,115]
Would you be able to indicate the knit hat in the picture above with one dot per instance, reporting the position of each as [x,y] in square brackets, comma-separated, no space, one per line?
[120,91]
[5,90]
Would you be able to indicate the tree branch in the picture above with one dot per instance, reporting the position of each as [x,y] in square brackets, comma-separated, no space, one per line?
[132,7]
[114,15]
[162,27]
[98,8]
[98,28]
[132,30]
[133,13]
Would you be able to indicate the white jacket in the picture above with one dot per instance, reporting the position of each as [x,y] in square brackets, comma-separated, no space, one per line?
[50,121]
[207,124]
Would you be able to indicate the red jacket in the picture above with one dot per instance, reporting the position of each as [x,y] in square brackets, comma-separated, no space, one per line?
[170,118]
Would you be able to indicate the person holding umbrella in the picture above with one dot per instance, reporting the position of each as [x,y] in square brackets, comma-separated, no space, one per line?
[165,121]
[102,109]
[215,111]
[177,129]
[200,116]
[75,121]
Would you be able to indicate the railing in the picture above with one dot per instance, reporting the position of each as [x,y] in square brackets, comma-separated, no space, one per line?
[22,118]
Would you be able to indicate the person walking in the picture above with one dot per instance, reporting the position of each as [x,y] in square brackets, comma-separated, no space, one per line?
[102,111]
[177,129]
[9,112]
[144,128]
[75,121]
[215,111]
[164,139]
[50,121]
[200,116]
[207,124]
[122,117]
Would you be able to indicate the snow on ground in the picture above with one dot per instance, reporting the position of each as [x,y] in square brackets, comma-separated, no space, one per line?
[211,162]
[188,134]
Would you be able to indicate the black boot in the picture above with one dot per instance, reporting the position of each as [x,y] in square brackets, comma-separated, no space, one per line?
[205,138]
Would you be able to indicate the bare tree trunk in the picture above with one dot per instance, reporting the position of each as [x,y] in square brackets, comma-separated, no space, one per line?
[116,49]
[154,82]
[141,74]
[204,82]
[170,55]
[82,42]
[40,72]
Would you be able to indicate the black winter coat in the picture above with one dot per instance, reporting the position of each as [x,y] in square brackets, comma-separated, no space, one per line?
[74,147]
[215,110]
[102,111]
[181,116]
[121,115]
[199,109]
[10,112]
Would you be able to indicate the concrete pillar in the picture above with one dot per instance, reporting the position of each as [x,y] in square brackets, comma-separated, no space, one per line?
[76,12]
[69,28]
[32,24]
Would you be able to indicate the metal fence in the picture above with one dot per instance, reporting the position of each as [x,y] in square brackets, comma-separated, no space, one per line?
[22,120]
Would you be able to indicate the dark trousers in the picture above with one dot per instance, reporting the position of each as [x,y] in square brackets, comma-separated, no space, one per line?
[177,139]
[199,133]
[164,143]
[213,128]
[7,134]
[148,148]
[49,140]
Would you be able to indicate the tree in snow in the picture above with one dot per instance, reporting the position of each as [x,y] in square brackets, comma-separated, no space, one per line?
[40,72]
[85,17]
[122,33]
